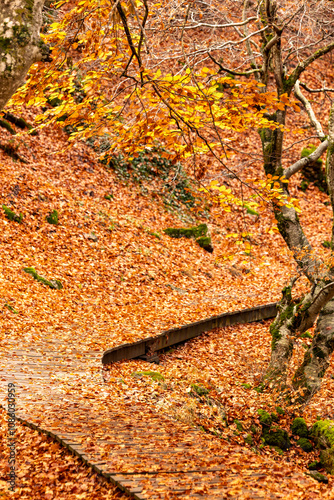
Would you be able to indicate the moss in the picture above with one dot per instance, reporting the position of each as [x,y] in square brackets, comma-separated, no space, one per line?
[306,335]
[274,417]
[21,35]
[313,173]
[326,244]
[327,460]
[317,476]
[205,243]
[253,429]
[199,389]
[246,386]
[7,126]
[280,410]
[191,232]
[299,428]
[305,444]
[279,450]
[314,465]
[52,218]
[239,425]
[156,376]
[265,418]
[11,308]
[55,284]
[277,437]
[12,215]
[108,196]
[322,433]
[248,439]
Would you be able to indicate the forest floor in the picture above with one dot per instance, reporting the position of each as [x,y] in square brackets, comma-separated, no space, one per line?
[123,280]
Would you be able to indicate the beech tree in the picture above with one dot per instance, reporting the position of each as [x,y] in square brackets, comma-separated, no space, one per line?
[20,43]
[180,74]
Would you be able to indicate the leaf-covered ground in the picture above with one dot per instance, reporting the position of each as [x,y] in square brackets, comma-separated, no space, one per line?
[124,279]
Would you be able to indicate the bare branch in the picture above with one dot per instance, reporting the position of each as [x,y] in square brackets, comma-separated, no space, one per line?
[324,89]
[207,25]
[304,64]
[316,124]
[232,71]
[296,167]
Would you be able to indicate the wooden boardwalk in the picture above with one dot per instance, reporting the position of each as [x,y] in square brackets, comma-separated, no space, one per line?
[146,454]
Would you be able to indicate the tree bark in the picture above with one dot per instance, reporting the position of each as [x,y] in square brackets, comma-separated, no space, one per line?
[317,358]
[309,375]
[20,43]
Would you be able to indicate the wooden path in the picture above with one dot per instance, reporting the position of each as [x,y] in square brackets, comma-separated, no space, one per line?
[147,455]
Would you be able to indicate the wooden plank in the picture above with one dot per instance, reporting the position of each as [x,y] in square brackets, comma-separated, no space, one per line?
[177,335]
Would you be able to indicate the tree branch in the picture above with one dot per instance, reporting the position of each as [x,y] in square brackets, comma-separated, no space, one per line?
[293,169]
[324,89]
[232,71]
[316,124]
[304,64]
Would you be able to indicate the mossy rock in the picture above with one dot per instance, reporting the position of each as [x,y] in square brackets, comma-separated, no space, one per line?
[54,283]
[322,434]
[52,217]
[313,172]
[190,232]
[265,418]
[305,444]
[12,215]
[205,243]
[299,428]
[317,476]
[314,465]
[200,233]
[156,376]
[277,437]
[199,389]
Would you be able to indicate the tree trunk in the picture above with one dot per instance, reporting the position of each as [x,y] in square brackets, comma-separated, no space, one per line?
[316,360]
[309,375]
[20,43]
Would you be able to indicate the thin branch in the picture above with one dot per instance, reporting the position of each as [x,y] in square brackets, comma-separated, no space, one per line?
[309,60]
[207,25]
[316,124]
[232,71]
[324,89]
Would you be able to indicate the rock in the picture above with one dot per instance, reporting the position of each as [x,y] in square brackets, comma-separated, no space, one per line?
[200,233]
[322,434]
[205,243]
[91,236]
[199,389]
[156,376]
[12,215]
[305,444]
[52,217]
[299,428]
[54,283]
[317,476]
[277,437]
[265,418]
